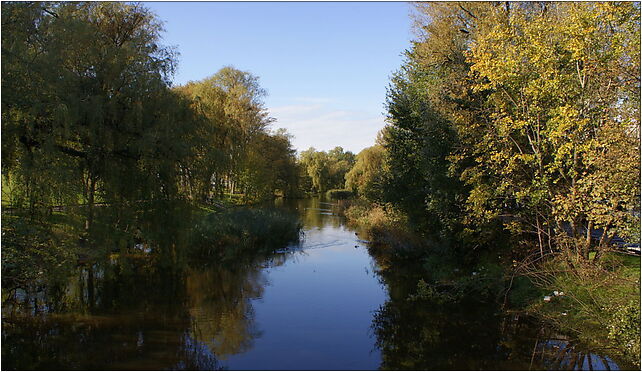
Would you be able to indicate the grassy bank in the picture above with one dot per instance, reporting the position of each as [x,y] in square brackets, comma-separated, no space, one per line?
[388,229]
[224,235]
[599,306]
[47,249]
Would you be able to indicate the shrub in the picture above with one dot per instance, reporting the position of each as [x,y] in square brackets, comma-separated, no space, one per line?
[231,233]
[601,303]
[32,253]
[339,194]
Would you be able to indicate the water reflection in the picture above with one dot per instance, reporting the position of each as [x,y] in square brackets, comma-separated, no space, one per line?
[423,335]
[221,310]
[322,304]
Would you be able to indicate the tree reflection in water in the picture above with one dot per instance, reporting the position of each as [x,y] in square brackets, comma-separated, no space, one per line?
[135,310]
[139,317]
[220,307]
[423,335]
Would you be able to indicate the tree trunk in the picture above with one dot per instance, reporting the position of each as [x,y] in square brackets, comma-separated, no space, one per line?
[91,191]
[602,247]
[539,235]
[587,243]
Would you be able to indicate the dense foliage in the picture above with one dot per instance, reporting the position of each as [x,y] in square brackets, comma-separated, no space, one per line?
[99,149]
[89,114]
[523,113]
[321,171]
[513,138]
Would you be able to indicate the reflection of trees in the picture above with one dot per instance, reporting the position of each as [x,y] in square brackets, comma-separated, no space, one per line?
[314,212]
[133,318]
[137,310]
[142,317]
[558,353]
[220,307]
[424,335]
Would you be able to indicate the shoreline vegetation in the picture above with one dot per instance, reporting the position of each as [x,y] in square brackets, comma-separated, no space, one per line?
[512,154]
[508,171]
[597,307]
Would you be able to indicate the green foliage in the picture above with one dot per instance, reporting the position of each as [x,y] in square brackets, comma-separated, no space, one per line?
[88,115]
[32,253]
[418,142]
[430,293]
[322,171]
[366,176]
[235,150]
[524,114]
[339,194]
[523,118]
[98,149]
[624,328]
[229,234]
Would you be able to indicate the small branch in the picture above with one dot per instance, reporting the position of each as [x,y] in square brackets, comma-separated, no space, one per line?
[467,11]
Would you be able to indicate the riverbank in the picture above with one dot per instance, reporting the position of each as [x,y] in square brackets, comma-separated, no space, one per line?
[599,306]
[45,249]
[259,309]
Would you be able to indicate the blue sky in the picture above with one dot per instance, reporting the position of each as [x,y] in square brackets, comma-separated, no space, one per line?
[325,65]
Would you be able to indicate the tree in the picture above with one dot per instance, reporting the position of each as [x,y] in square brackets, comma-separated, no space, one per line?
[89,79]
[230,103]
[559,88]
[523,103]
[325,170]
[366,177]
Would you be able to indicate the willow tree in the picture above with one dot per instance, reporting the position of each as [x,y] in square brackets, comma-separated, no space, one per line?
[231,103]
[269,167]
[322,171]
[365,178]
[84,83]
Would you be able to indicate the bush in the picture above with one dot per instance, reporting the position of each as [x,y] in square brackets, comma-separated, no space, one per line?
[231,233]
[601,302]
[339,194]
[624,327]
[32,253]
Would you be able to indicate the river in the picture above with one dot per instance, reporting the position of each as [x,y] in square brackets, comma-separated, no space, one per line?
[322,304]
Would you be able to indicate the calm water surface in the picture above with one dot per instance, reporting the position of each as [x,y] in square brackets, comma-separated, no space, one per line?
[323,304]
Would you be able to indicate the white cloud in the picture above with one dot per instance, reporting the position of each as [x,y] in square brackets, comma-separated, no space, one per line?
[312,99]
[314,125]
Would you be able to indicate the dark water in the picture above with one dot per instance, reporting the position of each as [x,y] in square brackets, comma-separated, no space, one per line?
[323,304]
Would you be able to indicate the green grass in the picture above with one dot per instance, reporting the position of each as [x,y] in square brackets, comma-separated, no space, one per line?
[228,234]
[601,303]
[630,266]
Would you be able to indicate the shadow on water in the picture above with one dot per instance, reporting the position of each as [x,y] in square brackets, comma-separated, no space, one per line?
[424,334]
[320,304]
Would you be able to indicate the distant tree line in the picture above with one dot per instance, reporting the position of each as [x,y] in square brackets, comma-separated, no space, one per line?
[321,171]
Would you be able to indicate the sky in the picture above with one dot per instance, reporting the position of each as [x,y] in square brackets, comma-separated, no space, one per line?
[325,65]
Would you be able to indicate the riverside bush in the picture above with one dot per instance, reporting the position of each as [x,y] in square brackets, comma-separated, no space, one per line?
[601,303]
[339,194]
[227,234]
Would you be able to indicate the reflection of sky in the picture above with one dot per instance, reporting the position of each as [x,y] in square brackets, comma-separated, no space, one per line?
[568,360]
[317,311]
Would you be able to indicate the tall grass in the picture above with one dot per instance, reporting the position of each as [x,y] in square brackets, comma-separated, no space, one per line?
[386,227]
[601,302]
[229,234]
[339,194]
